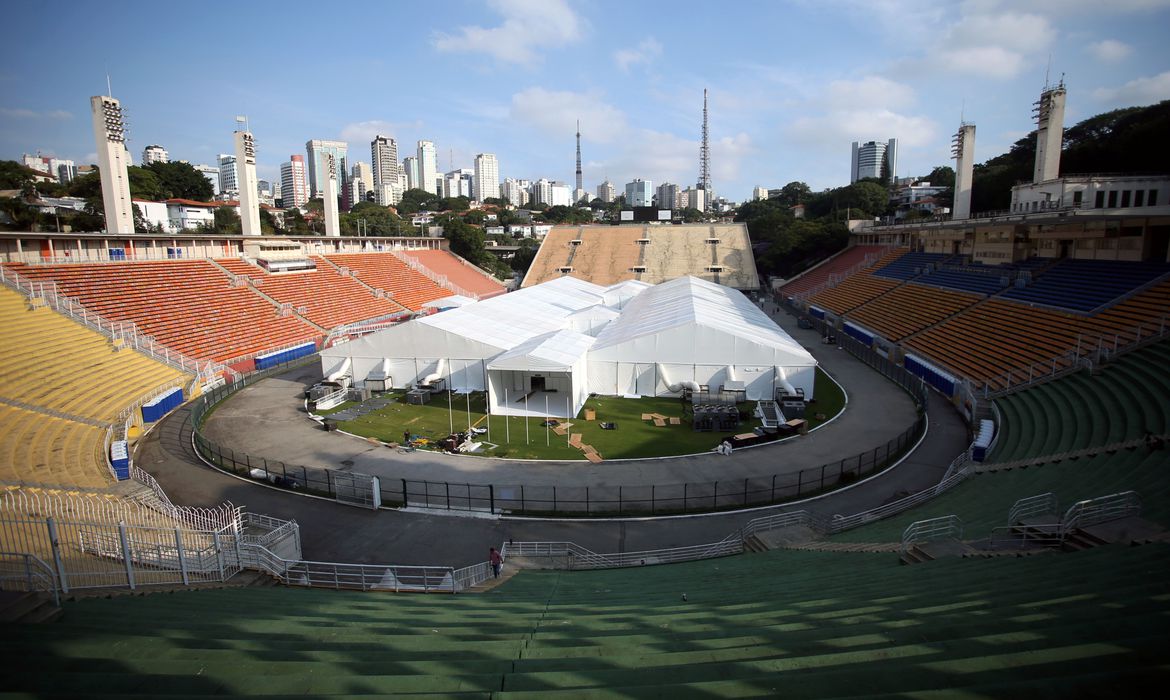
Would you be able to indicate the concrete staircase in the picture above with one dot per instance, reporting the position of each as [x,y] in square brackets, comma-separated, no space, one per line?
[18,607]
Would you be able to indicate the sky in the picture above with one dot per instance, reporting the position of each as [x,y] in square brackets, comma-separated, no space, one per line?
[792,83]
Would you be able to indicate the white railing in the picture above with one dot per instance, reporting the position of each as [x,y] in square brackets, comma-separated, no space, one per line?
[438,279]
[226,518]
[836,278]
[123,333]
[944,527]
[574,556]
[28,572]
[841,523]
[817,523]
[1032,506]
[1101,509]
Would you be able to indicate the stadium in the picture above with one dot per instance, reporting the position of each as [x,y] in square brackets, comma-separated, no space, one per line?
[982,514]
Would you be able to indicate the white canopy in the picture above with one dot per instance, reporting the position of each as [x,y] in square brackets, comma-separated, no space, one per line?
[453,301]
[551,352]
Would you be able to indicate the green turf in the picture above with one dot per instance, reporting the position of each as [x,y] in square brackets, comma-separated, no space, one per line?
[521,438]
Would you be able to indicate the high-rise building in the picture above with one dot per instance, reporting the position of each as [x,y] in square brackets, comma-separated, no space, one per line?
[212,174]
[606,191]
[294,186]
[428,167]
[515,191]
[487,177]
[155,154]
[759,193]
[38,162]
[318,165]
[410,169]
[266,192]
[459,183]
[361,181]
[639,193]
[666,196]
[109,132]
[693,198]
[249,199]
[871,157]
[384,157]
[228,175]
[64,169]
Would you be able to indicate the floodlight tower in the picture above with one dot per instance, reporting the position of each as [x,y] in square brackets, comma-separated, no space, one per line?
[109,131]
[332,225]
[705,158]
[1049,111]
[246,174]
[963,151]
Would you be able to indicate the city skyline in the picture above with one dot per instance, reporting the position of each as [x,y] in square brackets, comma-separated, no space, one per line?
[790,90]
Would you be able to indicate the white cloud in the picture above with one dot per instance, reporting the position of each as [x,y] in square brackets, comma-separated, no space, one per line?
[646,52]
[1110,50]
[528,25]
[364,132]
[58,114]
[845,126]
[557,112]
[869,91]
[990,43]
[1139,92]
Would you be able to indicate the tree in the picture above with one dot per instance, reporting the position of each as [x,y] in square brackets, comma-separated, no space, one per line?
[869,197]
[226,221]
[144,184]
[794,193]
[476,217]
[523,258]
[295,223]
[13,175]
[23,216]
[368,218]
[942,176]
[268,223]
[181,180]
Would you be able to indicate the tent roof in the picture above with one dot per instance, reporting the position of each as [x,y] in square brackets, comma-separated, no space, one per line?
[508,320]
[692,301]
[551,352]
[455,300]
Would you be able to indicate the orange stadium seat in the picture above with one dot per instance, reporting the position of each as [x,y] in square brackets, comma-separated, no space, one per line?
[386,272]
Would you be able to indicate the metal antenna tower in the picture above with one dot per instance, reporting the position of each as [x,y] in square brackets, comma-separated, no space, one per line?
[580,188]
[705,153]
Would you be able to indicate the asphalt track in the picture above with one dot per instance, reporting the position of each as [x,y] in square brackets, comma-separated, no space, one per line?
[264,420]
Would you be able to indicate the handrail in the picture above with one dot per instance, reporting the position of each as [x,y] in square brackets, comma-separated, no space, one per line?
[943,527]
[1032,506]
[1101,509]
[578,557]
[441,280]
[38,575]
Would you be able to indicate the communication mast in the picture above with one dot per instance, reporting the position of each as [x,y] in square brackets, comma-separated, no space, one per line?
[705,155]
[580,182]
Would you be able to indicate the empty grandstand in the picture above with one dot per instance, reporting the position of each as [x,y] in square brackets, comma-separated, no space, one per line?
[391,276]
[606,255]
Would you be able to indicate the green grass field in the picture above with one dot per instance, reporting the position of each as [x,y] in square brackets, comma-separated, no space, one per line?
[520,438]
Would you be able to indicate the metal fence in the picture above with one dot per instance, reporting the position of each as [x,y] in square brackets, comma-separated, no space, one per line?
[578,501]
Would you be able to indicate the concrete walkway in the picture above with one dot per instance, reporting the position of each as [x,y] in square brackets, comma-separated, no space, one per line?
[332,532]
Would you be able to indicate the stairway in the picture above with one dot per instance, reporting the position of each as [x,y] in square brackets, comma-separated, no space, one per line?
[18,607]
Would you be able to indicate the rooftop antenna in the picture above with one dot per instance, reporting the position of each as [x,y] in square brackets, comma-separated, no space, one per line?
[1047,70]
[243,119]
[109,88]
[579,181]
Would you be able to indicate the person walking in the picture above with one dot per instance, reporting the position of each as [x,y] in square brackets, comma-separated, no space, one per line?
[495,560]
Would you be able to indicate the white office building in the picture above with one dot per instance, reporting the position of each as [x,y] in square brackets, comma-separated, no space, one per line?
[666,196]
[228,175]
[639,193]
[294,187]
[759,193]
[606,192]
[212,174]
[384,159]
[515,191]
[487,177]
[318,164]
[155,154]
[869,157]
[410,170]
[428,167]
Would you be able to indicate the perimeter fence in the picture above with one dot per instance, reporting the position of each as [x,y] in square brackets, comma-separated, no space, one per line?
[585,501]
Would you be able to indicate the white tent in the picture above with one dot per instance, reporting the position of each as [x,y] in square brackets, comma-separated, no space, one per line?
[547,373]
[691,331]
[457,343]
[569,338]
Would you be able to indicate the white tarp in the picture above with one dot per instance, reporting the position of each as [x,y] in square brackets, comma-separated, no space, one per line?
[685,330]
[451,302]
[696,331]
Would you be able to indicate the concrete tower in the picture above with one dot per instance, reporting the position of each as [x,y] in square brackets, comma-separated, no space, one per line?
[332,224]
[109,131]
[963,151]
[1049,112]
[246,172]
[704,157]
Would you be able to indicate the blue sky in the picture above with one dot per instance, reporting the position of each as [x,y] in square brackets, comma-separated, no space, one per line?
[792,83]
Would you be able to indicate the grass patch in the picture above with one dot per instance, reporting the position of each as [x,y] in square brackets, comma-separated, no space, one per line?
[525,438]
